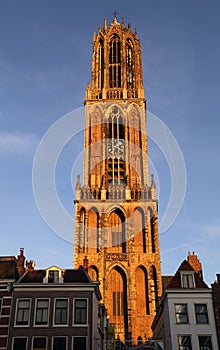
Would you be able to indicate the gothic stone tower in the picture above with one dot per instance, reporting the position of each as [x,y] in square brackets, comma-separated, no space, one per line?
[116,216]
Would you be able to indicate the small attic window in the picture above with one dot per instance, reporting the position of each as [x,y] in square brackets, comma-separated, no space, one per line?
[53,276]
[188,279]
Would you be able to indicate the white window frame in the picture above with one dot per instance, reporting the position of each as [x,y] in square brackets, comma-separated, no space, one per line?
[16,312]
[181,313]
[184,335]
[204,313]
[205,335]
[79,336]
[87,314]
[35,313]
[59,336]
[13,340]
[54,314]
[188,274]
[39,336]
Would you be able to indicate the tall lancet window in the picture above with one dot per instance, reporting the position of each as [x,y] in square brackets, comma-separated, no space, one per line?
[114,62]
[116,166]
[100,62]
[129,65]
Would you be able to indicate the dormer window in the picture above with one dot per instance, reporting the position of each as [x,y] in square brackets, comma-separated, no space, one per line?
[53,275]
[187,279]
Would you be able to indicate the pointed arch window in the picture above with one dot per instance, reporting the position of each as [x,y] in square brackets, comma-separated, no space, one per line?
[142,293]
[82,231]
[129,64]
[100,62]
[116,151]
[117,242]
[114,62]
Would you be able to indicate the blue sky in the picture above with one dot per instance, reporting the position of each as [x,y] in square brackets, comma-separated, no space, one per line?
[45,63]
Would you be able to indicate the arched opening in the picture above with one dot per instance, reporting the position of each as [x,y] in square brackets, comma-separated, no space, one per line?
[116,147]
[93,231]
[142,295]
[93,273]
[135,145]
[129,64]
[114,62]
[100,63]
[151,227]
[82,231]
[117,243]
[139,231]
[117,307]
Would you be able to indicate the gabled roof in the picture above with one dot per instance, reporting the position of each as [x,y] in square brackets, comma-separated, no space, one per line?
[77,276]
[166,280]
[35,276]
[175,282]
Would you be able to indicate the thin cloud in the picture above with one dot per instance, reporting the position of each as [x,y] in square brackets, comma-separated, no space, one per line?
[212,230]
[17,143]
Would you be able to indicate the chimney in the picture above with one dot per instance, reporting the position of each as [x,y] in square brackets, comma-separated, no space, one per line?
[195,263]
[20,262]
[30,265]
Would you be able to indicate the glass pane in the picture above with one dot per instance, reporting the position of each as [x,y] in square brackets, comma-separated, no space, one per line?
[23,304]
[61,303]
[181,308]
[184,342]
[79,343]
[59,343]
[39,343]
[80,303]
[205,343]
[42,303]
[181,318]
[20,344]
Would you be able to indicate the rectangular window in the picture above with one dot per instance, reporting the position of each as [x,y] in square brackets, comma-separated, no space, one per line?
[53,276]
[23,312]
[188,281]
[42,308]
[118,303]
[40,343]
[201,313]
[0,306]
[59,343]
[80,311]
[19,343]
[205,342]
[184,342]
[79,343]
[61,307]
[181,313]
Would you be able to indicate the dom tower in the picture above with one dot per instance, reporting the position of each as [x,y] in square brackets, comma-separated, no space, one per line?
[116,216]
